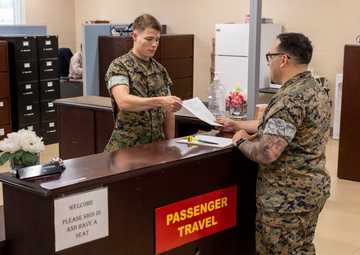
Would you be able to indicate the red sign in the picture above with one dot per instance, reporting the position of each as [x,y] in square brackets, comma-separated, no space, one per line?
[194,218]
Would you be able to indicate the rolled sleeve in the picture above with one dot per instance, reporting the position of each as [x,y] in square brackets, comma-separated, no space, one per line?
[117,80]
[281,128]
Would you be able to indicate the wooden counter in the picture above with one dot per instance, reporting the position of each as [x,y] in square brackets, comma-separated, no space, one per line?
[86,124]
[139,180]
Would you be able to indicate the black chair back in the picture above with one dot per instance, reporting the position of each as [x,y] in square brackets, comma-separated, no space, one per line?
[65,55]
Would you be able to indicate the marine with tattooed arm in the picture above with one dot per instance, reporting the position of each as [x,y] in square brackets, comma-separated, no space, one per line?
[288,142]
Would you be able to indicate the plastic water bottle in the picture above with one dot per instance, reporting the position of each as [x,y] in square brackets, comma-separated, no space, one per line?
[216,98]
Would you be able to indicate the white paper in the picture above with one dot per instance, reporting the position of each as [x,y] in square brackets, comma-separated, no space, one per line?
[196,107]
[81,218]
[221,142]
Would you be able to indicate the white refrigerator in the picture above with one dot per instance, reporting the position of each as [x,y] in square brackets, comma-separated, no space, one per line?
[232,51]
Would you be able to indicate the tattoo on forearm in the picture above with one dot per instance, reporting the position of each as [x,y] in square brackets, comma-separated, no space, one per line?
[267,150]
[276,144]
[250,150]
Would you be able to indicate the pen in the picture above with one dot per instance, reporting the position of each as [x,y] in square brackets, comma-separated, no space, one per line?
[203,141]
[191,138]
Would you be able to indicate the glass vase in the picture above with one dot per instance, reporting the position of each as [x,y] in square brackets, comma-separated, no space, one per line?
[238,112]
[15,165]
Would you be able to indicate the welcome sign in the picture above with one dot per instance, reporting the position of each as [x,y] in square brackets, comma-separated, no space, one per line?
[194,218]
[81,218]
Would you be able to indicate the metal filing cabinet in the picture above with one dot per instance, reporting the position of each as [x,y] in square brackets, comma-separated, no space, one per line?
[49,86]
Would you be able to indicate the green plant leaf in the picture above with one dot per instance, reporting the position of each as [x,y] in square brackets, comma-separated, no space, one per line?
[29,159]
[4,157]
[17,155]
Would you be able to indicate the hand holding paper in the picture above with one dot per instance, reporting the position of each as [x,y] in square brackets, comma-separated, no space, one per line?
[172,103]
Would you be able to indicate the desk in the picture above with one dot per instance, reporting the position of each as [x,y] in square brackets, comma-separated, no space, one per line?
[71,88]
[138,180]
[268,90]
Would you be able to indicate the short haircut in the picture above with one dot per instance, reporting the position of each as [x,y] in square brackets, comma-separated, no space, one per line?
[146,21]
[297,46]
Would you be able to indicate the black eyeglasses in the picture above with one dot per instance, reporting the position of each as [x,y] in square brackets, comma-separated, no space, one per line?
[270,55]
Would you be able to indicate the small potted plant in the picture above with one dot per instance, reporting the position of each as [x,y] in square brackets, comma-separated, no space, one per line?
[236,101]
[22,149]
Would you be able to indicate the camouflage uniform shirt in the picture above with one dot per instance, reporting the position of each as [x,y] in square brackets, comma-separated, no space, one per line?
[298,181]
[135,128]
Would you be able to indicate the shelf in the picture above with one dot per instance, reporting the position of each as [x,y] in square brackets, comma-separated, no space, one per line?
[268,90]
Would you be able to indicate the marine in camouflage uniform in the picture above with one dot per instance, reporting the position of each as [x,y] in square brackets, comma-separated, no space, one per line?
[292,190]
[288,142]
[146,79]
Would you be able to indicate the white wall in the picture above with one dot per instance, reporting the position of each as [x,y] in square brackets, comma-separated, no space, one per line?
[58,16]
[330,24]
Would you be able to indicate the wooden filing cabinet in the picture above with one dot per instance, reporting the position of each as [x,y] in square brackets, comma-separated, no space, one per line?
[24,82]
[176,55]
[5,109]
[348,167]
[175,52]
[111,47]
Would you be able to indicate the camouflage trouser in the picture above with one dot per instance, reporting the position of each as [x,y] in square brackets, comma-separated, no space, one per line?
[285,233]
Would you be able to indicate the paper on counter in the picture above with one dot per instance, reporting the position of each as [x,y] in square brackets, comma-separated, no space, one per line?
[221,142]
[196,107]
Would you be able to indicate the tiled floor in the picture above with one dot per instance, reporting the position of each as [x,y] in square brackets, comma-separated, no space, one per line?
[338,231]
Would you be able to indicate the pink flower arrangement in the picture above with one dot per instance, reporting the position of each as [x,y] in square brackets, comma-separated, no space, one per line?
[236,98]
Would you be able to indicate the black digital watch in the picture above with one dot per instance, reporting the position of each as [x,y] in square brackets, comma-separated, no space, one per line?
[240,141]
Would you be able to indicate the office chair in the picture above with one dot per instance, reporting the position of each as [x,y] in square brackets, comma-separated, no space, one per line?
[65,55]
